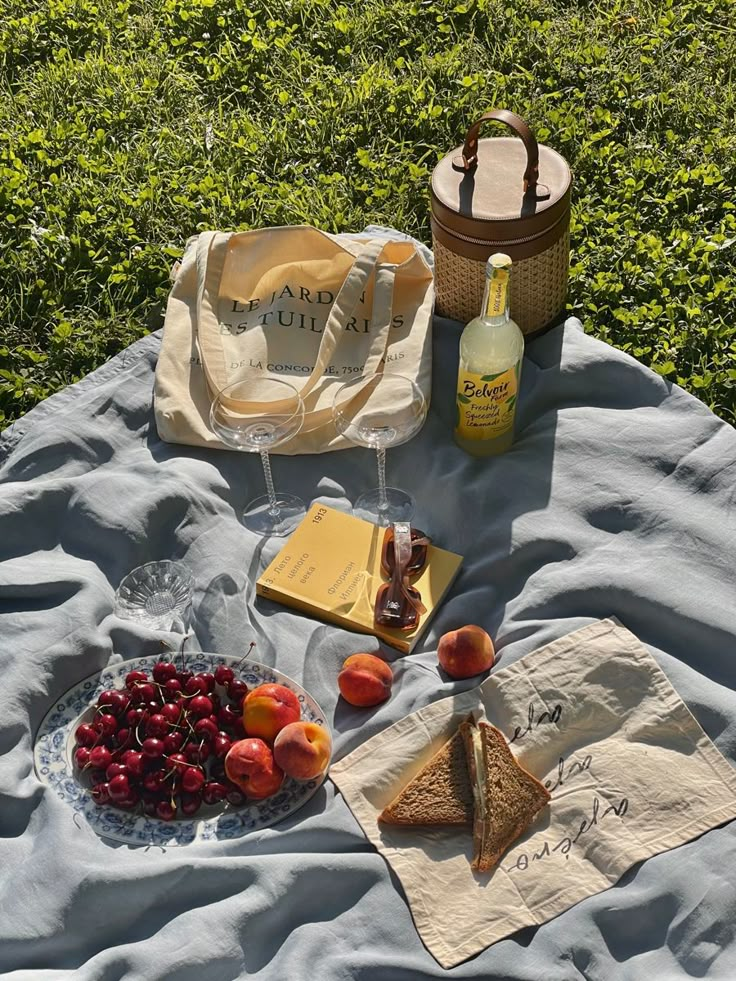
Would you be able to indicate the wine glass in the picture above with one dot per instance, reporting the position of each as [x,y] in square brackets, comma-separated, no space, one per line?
[379,411]
[255,415]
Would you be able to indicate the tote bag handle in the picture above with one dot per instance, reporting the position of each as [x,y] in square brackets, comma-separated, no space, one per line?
[212,250]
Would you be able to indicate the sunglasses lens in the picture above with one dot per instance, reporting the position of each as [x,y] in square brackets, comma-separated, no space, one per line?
[394,609]
[418,553]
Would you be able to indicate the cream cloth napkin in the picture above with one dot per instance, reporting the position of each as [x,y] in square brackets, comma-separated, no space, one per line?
[630,771]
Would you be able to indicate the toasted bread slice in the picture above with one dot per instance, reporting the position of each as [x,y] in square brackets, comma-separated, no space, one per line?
[507,798]
[439,794]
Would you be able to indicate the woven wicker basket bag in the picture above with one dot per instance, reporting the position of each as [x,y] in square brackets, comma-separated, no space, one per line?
[504,194]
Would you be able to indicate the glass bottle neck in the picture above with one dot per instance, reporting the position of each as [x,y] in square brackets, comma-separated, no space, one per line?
[495,310]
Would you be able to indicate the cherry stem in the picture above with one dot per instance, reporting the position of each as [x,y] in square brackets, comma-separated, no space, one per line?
[247,654]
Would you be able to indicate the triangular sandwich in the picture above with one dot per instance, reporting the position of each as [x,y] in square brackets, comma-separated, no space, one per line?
[439,794]
[506,797]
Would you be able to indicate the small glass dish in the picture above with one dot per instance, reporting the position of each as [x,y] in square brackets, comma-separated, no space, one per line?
[157,594]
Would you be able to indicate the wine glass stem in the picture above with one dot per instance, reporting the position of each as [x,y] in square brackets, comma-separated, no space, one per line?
[272,500]
[382,499]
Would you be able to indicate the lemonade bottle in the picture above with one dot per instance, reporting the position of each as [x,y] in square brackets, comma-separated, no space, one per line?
[491,351]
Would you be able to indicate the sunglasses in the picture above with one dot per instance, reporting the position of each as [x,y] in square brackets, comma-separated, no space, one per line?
[403,556]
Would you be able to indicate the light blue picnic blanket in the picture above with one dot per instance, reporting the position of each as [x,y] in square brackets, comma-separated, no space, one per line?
[616,500]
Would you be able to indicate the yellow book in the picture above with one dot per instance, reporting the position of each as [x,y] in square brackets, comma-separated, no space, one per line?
[330,568]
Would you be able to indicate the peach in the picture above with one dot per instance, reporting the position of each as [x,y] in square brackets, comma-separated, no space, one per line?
[465,652]
[250,765]
[303,750]
[267,709]
[365,680]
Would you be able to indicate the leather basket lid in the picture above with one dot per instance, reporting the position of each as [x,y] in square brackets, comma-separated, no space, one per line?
[488,198]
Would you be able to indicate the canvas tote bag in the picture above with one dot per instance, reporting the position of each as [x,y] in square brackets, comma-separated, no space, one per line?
[294,302]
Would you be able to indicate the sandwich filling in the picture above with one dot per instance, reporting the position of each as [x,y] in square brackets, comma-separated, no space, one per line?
[479,783]
[517,796]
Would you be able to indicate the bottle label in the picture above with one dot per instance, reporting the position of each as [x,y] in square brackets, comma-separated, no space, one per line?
[486,403]
[496,306]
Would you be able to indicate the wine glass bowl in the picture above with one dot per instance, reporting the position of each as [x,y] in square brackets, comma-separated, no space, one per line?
[255,415]
[380,411]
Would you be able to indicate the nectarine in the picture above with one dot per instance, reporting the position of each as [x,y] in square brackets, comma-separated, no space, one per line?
[250,765]
[302,750]
[365,680]
[268,708]
[465,652]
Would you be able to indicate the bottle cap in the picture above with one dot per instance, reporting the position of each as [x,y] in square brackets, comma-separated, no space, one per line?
[499,260]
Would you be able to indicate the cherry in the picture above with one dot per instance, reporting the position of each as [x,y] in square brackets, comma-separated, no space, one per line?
[198,752]
[217,770]
[133,678]
[213,792]
[183,677]
[106,724]
[122,737]
[86,735]
[119,702]
[221,745]
[107,698]
[205,728]
[173,687]
[135,762]
[100,757]
[228,716]
[153,747]
[178,762]
[239,729]
[164,671]
[157,725]
[166,810]
[81,756]
[173,742]
[145,692]
[171,712]
[190,803]
[115,769]
[215,699]
[196,686]
[235,795]
[154,781]
[129,802]
[101,794]
[237,690]
[150,803]
[200,705]
[119,787]
[134,716]
[97,777]
[224,675]
[192,780]
[209,678]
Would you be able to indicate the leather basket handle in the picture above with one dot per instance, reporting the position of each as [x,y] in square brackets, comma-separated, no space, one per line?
[522,130]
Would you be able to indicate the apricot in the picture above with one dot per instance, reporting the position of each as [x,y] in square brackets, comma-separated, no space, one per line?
[267,709]
[303,750]
[365,680]
[250,765]
[465,652]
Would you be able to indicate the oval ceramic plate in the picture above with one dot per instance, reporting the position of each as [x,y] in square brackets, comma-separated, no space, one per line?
[54,748]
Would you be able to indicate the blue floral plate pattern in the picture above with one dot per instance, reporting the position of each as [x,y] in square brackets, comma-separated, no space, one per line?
[55,743]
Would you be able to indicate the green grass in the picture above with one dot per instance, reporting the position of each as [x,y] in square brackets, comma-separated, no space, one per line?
[127,125]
